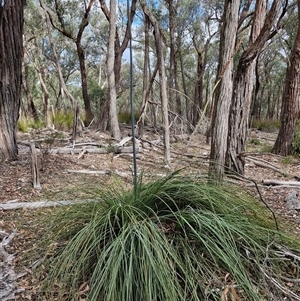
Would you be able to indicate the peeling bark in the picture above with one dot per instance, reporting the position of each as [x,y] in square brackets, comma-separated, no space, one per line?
[224,90]
[243,85]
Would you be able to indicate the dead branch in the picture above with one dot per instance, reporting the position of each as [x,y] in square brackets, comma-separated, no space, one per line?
[35,168]
[41,204]
[90,172]
[34,165]
[261,160]
[106,150]
[73,151]
[7,274]
[277,182]
[264,164]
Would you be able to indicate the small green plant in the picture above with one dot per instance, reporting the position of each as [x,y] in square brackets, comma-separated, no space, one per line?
[266,125]
[63,120]
[125,117]
[265,148]
[25,124]
[254,141]
[172,239]
[287,160]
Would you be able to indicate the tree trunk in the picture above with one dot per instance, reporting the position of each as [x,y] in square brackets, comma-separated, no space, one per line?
[198,91]
[141,122]
[80,51]
[290,101]
[11,54]
[243,85]
[47,112]
[185,90]
[163,82]
[174,102]
[113,118]
[61,80]
[224,89]
[119,47]
[256,101]
[31,109]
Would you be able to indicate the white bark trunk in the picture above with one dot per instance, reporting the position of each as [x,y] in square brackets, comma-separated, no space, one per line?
[163,83]
[113,117]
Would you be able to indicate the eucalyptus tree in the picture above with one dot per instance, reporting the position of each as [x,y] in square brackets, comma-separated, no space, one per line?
[290,100]
[189,37]
[159,46]
[120,45]
[71,18]
[204,29]
[261,29]
[29,109]
[173,85]
[121,42]
[35,64]
[224,88]
[11,54]
[28,106]
[146,72]
[47,90]
[114,125]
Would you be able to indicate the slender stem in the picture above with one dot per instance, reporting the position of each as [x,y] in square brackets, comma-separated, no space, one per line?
[131,99]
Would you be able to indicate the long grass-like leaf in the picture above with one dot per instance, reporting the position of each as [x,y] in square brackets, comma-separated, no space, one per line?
[170,239]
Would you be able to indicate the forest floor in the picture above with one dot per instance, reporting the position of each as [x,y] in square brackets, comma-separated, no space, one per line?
[67,175]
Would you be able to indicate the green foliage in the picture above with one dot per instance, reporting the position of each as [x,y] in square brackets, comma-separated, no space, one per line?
[266,125]
[25,124]
[63,120]
[265,148]
[125,117]
[254,141]
[171,239]
[97,96]
[287,160]
[259,146]
[296,141]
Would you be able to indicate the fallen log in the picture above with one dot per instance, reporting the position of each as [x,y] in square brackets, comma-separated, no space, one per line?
[107,150]
[73,151]
[267,165]
[42,204]
[277,182]
[91,172]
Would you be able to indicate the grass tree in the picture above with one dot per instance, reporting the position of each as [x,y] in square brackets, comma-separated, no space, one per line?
[170,239]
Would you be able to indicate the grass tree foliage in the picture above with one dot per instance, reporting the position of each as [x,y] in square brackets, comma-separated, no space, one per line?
[175,238]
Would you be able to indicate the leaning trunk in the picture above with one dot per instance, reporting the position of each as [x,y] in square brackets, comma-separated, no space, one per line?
[141,121]
[163,83]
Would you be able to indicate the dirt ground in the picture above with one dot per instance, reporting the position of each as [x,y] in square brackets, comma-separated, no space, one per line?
[60,181]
